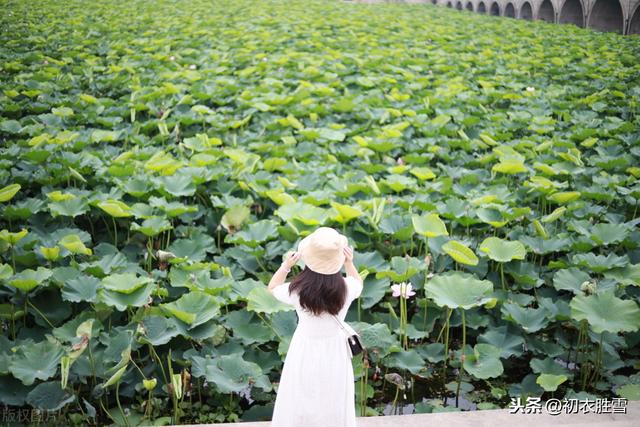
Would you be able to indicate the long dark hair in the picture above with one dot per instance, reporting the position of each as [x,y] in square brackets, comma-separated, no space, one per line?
[319,293]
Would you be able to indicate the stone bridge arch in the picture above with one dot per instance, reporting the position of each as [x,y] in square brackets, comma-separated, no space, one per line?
[572,12]
[606,15]
[510,10]
[526,11]
[546,11]
[620,16]
[634,21]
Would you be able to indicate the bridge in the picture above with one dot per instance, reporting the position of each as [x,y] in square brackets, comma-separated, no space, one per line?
[620,16]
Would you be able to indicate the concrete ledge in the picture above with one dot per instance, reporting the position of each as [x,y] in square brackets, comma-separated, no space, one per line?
[489,418]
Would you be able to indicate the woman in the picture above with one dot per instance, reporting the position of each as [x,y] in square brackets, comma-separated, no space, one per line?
[316,386]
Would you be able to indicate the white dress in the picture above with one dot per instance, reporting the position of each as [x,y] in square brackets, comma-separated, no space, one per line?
[317,383]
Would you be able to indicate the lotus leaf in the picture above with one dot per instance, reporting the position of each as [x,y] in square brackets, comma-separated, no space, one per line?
[345,212]
[402,269]
[377,336]
[12,391]
[606,234]
[73,207]
[458,290]
[230,373]
[115,208]
[261,300]
[152,226]
[248,328]
[13,238]
[125,283]
[134,292]
[529,319]
[234,217]
[28,279]
[193,308]
[484,362]
[570,279]
[158,330]
[629,391]
[550,382]
[304,212]
[509,341]
[501,250]
[36,361]
[600,263]
[255,234]
[606,312]
[628,275]
[564,197]
[429,225]
[9,191]
[460,252]
[73,244]
[407,360]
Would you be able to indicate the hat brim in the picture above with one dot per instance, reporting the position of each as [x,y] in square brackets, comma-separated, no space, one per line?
[303,250]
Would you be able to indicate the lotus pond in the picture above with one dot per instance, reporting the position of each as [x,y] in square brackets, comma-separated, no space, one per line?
[158,159]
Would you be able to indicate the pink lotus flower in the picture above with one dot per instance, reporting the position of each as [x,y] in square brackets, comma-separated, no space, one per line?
[402,289]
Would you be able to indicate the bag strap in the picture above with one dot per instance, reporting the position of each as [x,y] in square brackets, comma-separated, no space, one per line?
[349,331]
[340,323]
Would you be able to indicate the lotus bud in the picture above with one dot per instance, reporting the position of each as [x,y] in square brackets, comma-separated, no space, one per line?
[530,89]
[172,58]
[186,380]
[176,385]
[395,379]
[427,261]
[588,287]
[164,255]
[65,364]
[150,384]
[491,303]
[140,330]
[192,66]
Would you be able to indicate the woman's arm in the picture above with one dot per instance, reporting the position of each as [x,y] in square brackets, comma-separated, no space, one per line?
[281,274]
[349,268]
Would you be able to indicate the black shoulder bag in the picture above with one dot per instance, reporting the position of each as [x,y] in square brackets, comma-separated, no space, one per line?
[353,339]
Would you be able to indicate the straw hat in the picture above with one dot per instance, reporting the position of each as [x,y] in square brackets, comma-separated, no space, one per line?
[321,250]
